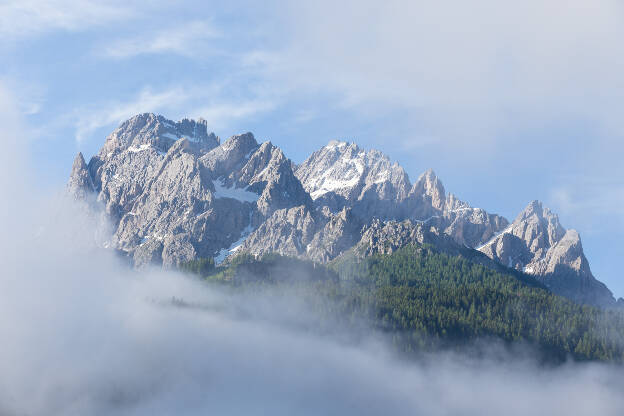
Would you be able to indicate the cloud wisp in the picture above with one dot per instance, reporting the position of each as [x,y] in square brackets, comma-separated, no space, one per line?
[84,335]
[147,100]
[188,39]
[25,18]
[209,102]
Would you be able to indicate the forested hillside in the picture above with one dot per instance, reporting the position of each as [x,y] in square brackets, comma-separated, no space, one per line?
[425,300]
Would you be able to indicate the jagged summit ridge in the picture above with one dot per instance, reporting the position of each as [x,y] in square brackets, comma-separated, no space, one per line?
[174,192]
[341,174]
[192,200]
[148,193]
[537,244]
[150,131]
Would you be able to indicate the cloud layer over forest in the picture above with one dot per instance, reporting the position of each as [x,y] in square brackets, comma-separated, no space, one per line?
[82,334]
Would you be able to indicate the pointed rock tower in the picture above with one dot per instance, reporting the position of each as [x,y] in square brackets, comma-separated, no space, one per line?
[80,182]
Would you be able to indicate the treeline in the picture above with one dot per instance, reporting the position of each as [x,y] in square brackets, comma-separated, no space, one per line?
[427,300]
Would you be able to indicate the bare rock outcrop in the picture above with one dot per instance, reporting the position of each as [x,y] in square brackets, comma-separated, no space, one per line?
[537,244]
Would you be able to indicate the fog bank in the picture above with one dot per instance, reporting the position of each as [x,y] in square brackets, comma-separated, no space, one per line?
[84,335]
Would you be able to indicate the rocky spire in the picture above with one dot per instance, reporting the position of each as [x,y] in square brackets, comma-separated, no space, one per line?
[429,186]
[80,182]
[151,131]
[230,155]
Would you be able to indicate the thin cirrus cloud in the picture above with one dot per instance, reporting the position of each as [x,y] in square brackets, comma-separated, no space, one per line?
[186,39]
[208,102]
[25,18]
[601,198]
[87,121]
[219,115]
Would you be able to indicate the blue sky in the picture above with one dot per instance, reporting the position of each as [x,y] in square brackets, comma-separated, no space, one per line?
[507,102]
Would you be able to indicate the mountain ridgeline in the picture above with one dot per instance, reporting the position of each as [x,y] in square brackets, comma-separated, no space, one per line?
[175,193]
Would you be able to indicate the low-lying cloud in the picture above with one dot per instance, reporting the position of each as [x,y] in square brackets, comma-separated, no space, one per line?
[84,335]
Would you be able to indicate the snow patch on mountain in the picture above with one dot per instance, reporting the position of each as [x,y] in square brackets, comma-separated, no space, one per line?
[240,194]
[331,185]
[234,247]
[136,149]
[345,169]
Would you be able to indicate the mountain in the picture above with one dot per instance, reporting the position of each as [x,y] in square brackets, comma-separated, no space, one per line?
[80,183]
[537,244]
[343,175]
[174,192]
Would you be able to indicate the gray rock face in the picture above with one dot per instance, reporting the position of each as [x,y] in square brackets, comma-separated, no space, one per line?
[537,244]
[385,237]
[388,236]
[302,233]
[340,232]
[173,192]
[133,154]
[287,231]
[80,183]
[148,130]
[466,225]
[343,175]
[431,191]
[261,170]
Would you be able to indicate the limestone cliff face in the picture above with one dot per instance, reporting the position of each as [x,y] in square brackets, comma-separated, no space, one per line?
[468,226]
[343,175]
[173,192]
[537,244]
[304,233]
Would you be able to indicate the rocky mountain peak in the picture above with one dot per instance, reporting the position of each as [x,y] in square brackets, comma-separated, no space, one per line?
[80,183]
[240,142]
[537,244]
[429,186]
[341,174]
[536,223]
[536,208]
[79,163]
[336,144]
[231,154]
[150,131]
